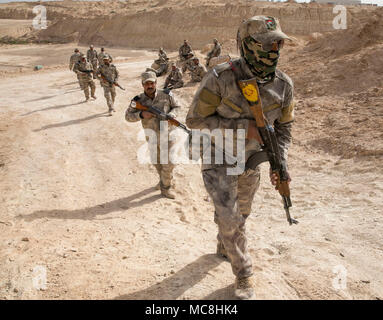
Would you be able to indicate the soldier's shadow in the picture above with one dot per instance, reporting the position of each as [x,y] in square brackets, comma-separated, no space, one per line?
[174,286]
[72,122]
[54,108]
[100,209]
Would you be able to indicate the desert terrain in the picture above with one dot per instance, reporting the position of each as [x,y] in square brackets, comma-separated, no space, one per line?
[77,207]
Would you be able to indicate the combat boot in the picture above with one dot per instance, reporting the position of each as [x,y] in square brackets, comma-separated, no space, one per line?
[244,288]
[167,193]
[158,186]
[94,97]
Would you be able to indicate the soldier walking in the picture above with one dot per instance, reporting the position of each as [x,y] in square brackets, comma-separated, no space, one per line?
[91,56]
[102,55]
[174,79]
[166,103]
[219,103]
[107,74]
[75,57]
[84,71]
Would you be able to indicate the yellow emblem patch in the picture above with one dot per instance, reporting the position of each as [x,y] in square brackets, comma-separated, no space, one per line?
[250,92]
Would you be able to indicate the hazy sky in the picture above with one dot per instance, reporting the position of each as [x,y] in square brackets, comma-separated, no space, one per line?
[379,2]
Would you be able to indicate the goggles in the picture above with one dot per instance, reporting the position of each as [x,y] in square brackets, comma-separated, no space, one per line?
[275,45]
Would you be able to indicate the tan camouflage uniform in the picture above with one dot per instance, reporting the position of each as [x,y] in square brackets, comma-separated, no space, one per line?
[101,57]
[167,103]
[174,79]
[91,56]
[85,78]
[219,103]
[184,50]
[163,62]
[73,59]
[109,89]
[198,72]
[215,52]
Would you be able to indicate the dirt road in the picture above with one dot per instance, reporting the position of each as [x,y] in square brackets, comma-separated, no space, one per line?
[78,210]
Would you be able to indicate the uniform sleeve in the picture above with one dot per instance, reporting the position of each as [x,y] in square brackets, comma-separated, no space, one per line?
[75,68]
[283,125]
[70,63]
[132,114]
[174,105]
[117,75]
[202,112]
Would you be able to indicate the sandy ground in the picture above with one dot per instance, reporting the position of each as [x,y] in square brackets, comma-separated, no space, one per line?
[77,206]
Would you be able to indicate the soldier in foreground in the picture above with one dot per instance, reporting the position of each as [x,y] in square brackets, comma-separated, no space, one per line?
[198,71]
[219,103]
[84,71]
[91,56]
[174,79]
[102,55]
[215,52]
[107,74]
[166,103]
[184,50]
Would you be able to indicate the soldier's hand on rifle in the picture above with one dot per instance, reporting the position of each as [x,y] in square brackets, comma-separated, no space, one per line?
[274,178]
[146,115]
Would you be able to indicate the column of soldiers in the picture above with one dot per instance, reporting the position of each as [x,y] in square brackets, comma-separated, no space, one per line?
[95,66]
[220,103]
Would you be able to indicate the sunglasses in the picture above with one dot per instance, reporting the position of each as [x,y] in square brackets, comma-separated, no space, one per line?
[270,46]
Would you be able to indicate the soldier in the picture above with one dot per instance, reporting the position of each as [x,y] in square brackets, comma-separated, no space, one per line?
[107,74]
[184,50]
[174,79]
[84,71]
[74,58]
[219,103]
[102,55]
[162,62]
[215,52]
[188,63]
[166,102]
[91,56]
[198,71]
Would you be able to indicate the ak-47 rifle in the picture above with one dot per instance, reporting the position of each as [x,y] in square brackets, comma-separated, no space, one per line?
[270,148]
[112,83]
[171,120]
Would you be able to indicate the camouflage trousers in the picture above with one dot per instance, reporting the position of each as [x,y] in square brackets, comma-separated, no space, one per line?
[232,196]
[85,84]
[162,69]
[174,84]
[110,96]
[94,64]
[165,171]
[196,78]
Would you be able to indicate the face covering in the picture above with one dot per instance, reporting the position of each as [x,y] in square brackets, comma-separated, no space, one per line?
[262,63]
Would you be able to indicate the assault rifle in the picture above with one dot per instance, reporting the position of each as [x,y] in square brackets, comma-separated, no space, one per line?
[270,148]
[115,83]
[171,120]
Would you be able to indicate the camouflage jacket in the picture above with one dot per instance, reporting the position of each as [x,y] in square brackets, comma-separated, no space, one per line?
[215,52]
[101,56]
[198,71]
[73,59]
[185,49]
[219,103]
[91,55]
[81,67]
[110,72]
[174,76]
[163,101]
